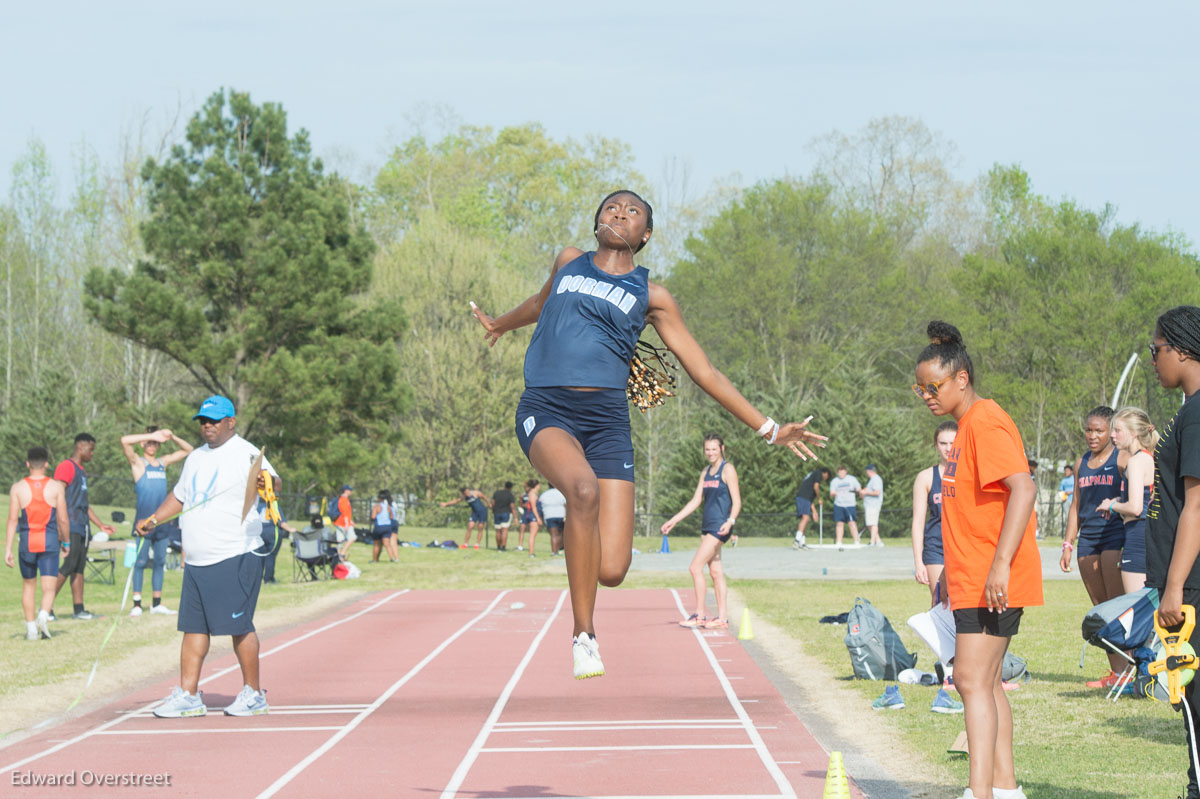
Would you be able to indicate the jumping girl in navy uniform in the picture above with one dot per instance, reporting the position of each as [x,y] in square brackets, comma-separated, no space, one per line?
[928,557]
[1136,438]
[1097,536]
[573,420]
[718,490]
[1173,532]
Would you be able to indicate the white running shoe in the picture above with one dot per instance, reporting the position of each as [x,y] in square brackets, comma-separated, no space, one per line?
[43,624]
[181,704]
[161,610]
[1008,793]
[135,611]
[248,702]
[586,653]
[31,633]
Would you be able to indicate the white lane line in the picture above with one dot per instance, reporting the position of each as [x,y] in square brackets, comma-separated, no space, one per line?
[460,773]
[396,686]
[671,796]
[215,729]
[150,706]
[764,754]
[736,725]
[620,721]
[655,748]
[275,709]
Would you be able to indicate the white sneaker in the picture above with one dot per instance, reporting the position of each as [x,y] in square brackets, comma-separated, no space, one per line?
[161,610]
[135,611]
[586,653]
[31,632]
[248,702]
[1008,793]
[520,548]
[181,704]
[43,624]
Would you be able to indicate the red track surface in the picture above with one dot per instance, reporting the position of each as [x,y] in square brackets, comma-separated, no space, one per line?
[459,693]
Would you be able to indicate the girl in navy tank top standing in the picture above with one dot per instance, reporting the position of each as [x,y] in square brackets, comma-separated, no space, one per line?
[928,560]
[1136,438]
[1095,535]
[573,418]
[718,490]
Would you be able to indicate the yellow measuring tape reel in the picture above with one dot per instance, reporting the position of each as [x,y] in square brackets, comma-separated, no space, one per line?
[1176,668]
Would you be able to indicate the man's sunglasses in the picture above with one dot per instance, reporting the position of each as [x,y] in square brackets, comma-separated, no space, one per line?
[930,389]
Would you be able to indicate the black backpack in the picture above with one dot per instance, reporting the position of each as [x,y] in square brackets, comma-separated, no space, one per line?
[876,651]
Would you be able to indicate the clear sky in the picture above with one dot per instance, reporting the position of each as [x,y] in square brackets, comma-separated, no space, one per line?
[1096,100]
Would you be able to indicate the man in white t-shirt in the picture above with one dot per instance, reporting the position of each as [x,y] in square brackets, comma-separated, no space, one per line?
[554,511]
[844,489]
[872,496]
[223,572]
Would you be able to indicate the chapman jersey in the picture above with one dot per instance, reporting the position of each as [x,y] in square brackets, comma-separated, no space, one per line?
[933,525]
[1095,486]
[718,503]
[589,327]
[72,475]
[37,523]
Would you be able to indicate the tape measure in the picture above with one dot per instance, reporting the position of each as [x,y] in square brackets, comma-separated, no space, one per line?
[1176,668]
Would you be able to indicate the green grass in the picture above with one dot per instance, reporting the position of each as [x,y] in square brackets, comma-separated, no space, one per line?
[1068,741]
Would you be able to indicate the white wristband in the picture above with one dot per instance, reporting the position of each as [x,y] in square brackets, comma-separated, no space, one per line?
[766,426]
[774,434]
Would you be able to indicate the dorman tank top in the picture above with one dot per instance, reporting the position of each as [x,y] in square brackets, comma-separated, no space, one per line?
[588,328]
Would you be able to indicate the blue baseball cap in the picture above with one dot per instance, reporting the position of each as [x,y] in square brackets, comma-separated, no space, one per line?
[216,408]
[871,467]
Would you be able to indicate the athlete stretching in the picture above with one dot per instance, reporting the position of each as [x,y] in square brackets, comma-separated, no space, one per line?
[573,421]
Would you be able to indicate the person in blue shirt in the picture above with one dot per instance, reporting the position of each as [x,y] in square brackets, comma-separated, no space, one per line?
[383,529]
[1066,492]
[572,420]
[722,498]
[150,486]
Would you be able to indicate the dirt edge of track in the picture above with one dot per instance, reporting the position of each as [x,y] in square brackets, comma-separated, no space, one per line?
[840,720]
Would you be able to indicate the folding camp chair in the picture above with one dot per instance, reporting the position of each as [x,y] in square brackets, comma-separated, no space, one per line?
[1122,623]
[312,557]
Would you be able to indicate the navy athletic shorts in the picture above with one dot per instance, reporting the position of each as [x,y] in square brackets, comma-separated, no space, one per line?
[931,550]
[717,535]
[1094,544]
[843,514]
[219,599]
[479,516]
[803,507]
[556,524]
[599,421]
[379,533]
[501,519]
[47,563]
[1133,556]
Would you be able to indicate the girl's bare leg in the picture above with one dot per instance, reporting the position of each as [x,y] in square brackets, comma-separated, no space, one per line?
[977,662]
[717,571]
[601,512]
[704,555]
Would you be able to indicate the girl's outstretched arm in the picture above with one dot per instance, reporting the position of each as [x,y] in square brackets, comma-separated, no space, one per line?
[686,511]
[664,314]
[527,312]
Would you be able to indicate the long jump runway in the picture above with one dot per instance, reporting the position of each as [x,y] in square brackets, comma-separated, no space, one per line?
[456,694]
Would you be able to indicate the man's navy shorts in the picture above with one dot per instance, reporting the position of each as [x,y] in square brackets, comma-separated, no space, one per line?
[220,599]
[33,562]
[803,507]
[599,421]
[502,519]
[843,514]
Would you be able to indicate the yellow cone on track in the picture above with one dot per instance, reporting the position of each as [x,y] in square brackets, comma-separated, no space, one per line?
[745,631]
[836,785]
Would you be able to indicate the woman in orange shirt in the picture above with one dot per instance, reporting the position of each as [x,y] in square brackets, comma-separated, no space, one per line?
[993,569]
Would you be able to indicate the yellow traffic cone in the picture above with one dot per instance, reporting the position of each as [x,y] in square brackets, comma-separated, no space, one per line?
[745,631]
[836,785]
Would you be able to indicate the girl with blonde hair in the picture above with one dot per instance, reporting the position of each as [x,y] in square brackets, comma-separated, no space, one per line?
[1134,435]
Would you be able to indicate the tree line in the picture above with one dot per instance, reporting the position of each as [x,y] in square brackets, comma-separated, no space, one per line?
[225,258]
